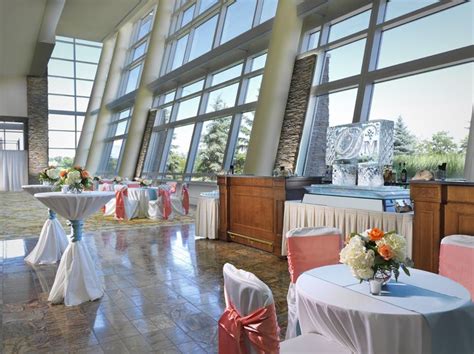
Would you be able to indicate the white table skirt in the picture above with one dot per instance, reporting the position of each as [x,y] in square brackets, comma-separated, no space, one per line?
[299,214]
[396,322]
[142,196]
[13,170]
[207,216]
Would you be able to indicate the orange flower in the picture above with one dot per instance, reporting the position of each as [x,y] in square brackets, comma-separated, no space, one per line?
[386,252]
[85,174]
[375,234]
[63,173]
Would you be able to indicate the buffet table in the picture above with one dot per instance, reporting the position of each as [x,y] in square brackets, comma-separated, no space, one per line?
[76,280]
[348,220]
[423,313]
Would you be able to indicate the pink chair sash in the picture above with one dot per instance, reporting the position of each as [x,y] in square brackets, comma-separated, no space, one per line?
[133,185]
[457,263]
[260,327]
[165,202]
[308,252]
[185,198]
[120,203]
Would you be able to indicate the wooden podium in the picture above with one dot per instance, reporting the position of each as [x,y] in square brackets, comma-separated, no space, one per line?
[441,209]
[251,208]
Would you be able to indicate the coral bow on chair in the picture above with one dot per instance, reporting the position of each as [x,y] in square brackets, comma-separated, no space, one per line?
[165,202]
[185,198]
[260,328]
[120,195]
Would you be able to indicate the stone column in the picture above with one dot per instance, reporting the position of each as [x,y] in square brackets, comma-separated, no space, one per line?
[37,97]
[112,85]
[144,97]
[97,93]
[282,51]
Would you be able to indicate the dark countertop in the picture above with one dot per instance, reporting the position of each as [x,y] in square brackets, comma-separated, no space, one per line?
[448,182]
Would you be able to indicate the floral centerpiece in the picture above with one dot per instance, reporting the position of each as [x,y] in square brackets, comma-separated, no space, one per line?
[375,254]
[144,182]
[117,179]
[97,178]
[49,175]
[76,178]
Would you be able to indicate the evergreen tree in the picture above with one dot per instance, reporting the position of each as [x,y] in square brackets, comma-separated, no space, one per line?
[463,145]
[404,142]
[243,141]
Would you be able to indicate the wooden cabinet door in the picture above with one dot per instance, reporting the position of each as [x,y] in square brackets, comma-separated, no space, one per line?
[426,236]
[459,219]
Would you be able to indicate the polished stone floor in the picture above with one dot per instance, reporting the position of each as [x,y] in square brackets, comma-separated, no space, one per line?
[164,294]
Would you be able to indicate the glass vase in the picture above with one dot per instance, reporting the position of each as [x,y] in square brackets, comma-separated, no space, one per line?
[384,275]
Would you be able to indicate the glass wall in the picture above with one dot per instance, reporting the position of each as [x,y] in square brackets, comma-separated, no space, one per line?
[136,54]
[12,135]
[203,127]
[199,26]
[401,77]
[71,73]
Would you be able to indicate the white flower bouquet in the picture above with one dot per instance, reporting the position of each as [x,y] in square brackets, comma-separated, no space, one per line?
[76,178]
[375,253]
[49,175]
[144,182]
[117,180]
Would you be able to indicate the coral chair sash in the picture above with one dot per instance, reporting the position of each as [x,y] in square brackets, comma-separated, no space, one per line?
[185,198]
[120,203]
[165,202]
[457,263]
[305,253]
[133,185]
[260,328]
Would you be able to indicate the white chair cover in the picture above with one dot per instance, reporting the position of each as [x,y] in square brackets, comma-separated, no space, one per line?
[131,206]
[155,207]
[291,331]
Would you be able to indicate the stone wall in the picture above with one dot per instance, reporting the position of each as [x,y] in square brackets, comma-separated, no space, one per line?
[37,96]
[295,112]
[145,142]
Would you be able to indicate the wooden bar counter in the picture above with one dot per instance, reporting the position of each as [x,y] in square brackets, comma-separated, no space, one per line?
[251,208]
[441,209]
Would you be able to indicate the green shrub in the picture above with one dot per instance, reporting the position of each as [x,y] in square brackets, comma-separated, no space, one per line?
[417,162]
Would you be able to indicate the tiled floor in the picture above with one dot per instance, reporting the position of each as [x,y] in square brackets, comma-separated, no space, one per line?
[163,294]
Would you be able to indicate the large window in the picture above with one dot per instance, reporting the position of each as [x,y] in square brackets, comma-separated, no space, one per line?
[136,56]
[12,135]
[421,107]
[71,73]
[116,137]
[428,96]
[204,126]
[198,26]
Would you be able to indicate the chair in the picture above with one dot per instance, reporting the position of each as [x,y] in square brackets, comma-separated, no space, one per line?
[180,199]
[121,206]
[456,260]
[249,323]
[308,248]
[161,208]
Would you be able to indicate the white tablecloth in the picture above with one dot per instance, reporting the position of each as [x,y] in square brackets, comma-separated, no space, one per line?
[76,280]
[333,303]
[347,220]
[142,196]
[207,216]
[52,241]
[75,206]
[13,170]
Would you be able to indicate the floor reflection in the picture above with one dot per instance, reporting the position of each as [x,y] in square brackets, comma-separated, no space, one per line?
[163,293]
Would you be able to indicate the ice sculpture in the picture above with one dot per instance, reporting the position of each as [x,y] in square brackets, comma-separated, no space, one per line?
[368,144]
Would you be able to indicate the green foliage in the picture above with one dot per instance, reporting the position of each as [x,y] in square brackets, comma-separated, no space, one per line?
[463,145]
[430,162]
[212,147]
[404,142]
[243,142]
[60,161]
[440,143]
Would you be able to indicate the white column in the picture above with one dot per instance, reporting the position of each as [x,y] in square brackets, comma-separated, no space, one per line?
[95,100]
[110,93]
[282,51]
[144,98]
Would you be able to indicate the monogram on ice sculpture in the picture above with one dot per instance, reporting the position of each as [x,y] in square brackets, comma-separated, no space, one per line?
[358,152]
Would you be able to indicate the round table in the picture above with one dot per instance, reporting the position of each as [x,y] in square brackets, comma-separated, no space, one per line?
[76,281]
[52,240]
[423,313]
[142,196]
[207,215]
